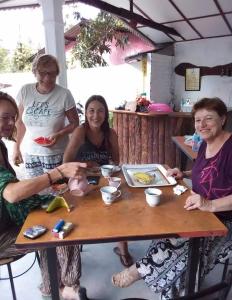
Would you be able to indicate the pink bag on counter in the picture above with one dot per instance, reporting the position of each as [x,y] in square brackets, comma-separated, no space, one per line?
[156,107]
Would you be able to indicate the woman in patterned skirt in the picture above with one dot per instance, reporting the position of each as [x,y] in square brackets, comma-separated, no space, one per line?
[164,266]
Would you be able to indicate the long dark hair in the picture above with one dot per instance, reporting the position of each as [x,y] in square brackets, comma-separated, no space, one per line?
[105,127]
[7,97]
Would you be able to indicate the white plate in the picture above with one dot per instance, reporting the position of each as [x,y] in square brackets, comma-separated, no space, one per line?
[160,178]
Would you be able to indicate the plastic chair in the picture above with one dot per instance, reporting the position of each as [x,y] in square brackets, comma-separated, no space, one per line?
[7,261]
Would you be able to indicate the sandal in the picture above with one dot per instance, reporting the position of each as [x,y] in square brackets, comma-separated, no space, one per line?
[126,259]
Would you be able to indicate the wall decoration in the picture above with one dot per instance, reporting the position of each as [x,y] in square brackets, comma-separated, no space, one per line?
[192,79]
[220,70]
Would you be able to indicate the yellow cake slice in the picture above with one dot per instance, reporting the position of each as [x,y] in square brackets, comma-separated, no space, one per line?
[143,178]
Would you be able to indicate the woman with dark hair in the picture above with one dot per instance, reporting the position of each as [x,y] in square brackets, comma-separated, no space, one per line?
[96,143]
[18,198]
[163,268]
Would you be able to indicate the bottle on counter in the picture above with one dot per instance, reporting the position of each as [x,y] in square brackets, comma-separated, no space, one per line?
[196,142]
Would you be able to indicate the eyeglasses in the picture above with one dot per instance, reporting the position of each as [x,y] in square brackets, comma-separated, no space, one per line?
[49,73]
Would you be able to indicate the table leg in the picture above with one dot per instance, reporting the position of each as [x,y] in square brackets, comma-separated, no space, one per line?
[52,270]
[193,261]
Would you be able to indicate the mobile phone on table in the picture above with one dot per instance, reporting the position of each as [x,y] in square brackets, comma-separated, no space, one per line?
[34,231]
[93,179]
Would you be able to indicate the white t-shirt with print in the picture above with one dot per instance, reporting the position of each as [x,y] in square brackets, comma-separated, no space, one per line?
[43,115]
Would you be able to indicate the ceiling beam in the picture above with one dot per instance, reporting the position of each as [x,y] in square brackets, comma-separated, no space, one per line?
[123,13]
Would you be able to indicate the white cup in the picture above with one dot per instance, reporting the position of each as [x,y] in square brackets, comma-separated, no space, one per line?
[153,196]
[109,194]
[107,170]
[115,181]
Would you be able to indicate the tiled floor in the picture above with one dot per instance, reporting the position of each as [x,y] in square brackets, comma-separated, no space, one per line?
[98,264]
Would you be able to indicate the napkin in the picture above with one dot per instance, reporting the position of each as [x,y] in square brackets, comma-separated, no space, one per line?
[179,189]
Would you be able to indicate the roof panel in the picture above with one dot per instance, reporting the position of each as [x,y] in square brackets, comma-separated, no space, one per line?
[162,11]
[185,30]
[155,35]
[120,3]
[229,18]
[212,26]
[226,5]
[196,8]
[17,3]
[165,12]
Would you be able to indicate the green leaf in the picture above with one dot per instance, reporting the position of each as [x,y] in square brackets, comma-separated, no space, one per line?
[95,39]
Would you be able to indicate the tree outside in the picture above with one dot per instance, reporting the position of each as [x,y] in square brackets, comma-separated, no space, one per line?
[95,39]
[21,58]
[4,60]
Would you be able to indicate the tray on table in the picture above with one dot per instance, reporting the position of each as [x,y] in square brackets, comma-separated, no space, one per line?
[159,177]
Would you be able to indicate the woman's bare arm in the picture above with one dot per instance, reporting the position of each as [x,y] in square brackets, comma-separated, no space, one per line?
[76,140]
[17,191]
[21,129]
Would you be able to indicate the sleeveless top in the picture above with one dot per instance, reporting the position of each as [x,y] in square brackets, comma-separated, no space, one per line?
[212,177]
[90,152]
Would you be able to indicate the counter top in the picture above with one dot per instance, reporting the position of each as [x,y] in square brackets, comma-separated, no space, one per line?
[154,114]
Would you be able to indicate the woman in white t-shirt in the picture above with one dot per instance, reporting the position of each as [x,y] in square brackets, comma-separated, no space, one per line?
[44,107]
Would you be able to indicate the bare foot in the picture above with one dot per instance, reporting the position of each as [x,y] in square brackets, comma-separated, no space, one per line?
[126,277]
[70,293]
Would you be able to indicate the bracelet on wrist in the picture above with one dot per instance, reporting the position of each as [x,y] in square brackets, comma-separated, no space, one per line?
[61,173]
[49,178]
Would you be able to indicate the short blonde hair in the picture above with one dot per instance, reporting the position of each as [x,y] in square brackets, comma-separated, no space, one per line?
[42,60]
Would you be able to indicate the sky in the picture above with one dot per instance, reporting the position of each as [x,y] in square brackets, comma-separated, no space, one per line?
[26,25]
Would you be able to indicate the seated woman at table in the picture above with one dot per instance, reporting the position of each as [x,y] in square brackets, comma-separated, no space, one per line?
[18,198]
[164,266]
[96,143]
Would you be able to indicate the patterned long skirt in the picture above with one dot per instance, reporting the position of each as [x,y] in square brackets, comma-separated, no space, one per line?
[7,243]
[165,263]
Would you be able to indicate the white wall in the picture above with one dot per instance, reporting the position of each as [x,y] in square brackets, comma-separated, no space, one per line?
[114,83]
[17,80]
[161,78]
[210,53]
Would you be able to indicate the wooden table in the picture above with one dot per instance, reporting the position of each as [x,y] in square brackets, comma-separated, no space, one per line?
[129,218]
[184,150]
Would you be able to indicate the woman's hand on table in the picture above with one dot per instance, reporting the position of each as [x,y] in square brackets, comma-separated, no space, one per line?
[176,173]
[197,201]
